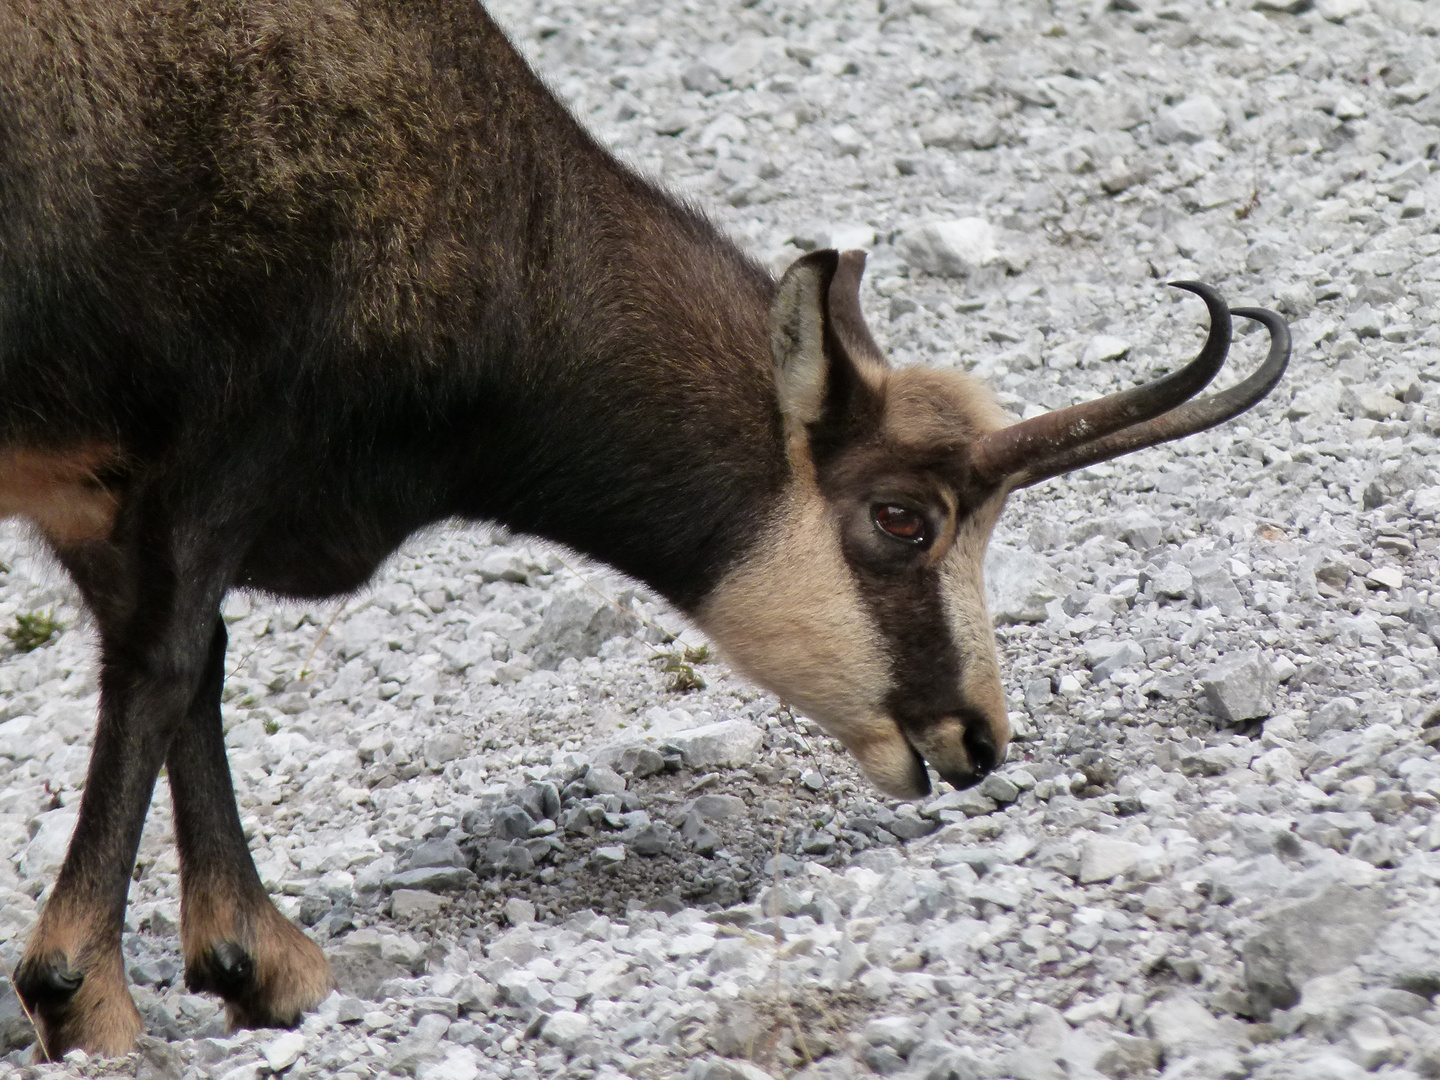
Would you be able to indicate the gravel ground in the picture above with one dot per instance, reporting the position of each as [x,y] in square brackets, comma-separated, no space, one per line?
[541,836]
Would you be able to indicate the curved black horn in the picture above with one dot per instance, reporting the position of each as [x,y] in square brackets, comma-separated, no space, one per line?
[1188,418]
[1056,437]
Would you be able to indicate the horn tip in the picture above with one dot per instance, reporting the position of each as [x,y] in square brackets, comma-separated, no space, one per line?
[1207,293]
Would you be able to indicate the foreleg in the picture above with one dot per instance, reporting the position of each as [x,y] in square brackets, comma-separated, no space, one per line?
[236,943]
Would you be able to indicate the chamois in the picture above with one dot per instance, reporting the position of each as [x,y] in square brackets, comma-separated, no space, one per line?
[283,281]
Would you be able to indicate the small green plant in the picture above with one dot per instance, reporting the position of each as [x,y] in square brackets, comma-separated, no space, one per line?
[685,677]
[34,630]
[272,726]
[699,655]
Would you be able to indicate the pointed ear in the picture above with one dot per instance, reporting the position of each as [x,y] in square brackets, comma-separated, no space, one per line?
[819,383]
[797,336]
[845,313]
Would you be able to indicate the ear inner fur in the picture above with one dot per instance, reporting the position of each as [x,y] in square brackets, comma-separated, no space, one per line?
[820,386]
[797,338]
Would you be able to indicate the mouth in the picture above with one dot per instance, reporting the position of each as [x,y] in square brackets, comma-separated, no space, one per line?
[891,764]
[960,748]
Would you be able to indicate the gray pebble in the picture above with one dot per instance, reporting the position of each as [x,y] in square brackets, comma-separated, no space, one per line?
[1240,687]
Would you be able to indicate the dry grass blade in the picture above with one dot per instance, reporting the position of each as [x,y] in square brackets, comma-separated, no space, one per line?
[668,636]
[305,667]
[39,1038]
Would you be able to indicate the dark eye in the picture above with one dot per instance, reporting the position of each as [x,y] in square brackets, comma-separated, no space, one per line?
[902,524]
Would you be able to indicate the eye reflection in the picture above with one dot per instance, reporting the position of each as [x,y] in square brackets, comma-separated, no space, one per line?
[900,523]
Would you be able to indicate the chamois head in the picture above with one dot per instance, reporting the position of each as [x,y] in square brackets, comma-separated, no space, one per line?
[863,605]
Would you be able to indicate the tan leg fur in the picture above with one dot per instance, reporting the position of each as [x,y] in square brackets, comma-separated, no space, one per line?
[269,972]
[99,1017]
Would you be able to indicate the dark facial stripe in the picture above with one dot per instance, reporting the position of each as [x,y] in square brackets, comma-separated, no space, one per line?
[925,663]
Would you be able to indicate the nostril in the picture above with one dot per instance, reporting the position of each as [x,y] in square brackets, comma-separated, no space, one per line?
[960,746]
[981,747]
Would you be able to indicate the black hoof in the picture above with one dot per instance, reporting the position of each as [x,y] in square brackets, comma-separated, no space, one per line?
[47,983]
[226,970]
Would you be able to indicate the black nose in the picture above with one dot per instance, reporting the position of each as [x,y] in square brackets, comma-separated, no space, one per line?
[981,747]
[980,751]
